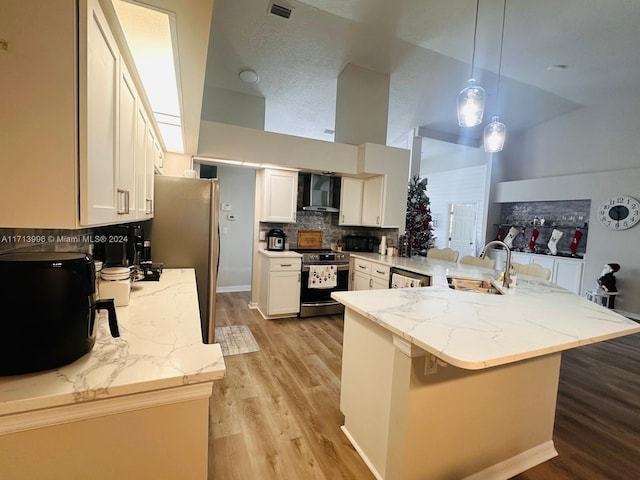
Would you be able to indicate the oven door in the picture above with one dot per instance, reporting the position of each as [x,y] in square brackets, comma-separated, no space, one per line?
[318,301]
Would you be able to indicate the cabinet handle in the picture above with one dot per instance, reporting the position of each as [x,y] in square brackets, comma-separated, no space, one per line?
[370,283]
[362,267]
[377,220]
[285,264]
[149,209]
[343,218]
[123,201]
[381,272]
[299,279]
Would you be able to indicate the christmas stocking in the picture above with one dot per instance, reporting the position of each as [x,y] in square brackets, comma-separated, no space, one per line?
[576,239]
[500,234]
[534,237]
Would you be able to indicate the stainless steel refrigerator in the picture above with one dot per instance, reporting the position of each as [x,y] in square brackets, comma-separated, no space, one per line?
[184,234]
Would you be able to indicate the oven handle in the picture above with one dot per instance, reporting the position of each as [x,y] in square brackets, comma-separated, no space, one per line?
[320,304]
[341,267]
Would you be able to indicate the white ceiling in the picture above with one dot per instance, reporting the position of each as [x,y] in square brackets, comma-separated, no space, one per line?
[425,46]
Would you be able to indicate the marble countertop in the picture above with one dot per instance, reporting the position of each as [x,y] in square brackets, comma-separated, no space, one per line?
[475,330]
[160,346]
[280,253]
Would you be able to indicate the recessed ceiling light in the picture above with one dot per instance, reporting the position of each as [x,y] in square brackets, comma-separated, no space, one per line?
[248,76]
[559,66]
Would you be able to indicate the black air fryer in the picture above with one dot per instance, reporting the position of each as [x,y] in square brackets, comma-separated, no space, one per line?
[52,300]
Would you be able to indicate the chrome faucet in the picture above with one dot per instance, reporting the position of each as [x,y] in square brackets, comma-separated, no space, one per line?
[506,282]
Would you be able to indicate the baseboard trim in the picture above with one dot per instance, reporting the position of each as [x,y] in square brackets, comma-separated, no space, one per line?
[361,453]
[234,288]
[517,464]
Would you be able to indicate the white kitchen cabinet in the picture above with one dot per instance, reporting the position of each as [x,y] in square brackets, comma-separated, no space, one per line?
[568,274]
[565,272]
[70,121]
[279,194]
[368,275]
[362,201]
[279,294]
[351,201]
[372,201]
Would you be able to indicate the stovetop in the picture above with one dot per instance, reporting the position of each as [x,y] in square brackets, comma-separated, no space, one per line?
[322,255]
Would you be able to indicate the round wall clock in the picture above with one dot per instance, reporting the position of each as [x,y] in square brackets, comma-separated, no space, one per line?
[619,212]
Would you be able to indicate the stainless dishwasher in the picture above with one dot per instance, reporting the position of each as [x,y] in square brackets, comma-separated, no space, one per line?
[400,278]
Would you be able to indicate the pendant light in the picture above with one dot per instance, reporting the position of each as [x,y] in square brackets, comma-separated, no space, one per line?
[496,132]
[471,99]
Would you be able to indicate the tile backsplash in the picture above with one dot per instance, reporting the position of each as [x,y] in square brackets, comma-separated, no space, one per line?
[45,240]
[327,222]
[568,216]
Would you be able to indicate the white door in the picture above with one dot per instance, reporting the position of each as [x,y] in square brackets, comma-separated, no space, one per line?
[462,228]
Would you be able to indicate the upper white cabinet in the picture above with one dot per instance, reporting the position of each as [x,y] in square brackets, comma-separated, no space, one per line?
[373,201]
[70,123]
[279,195]
[351,201]
[362,201]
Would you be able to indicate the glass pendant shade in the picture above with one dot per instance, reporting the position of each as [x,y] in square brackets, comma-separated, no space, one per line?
[494,135]
[471,104]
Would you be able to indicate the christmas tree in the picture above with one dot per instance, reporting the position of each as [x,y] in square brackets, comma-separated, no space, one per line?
[418,227]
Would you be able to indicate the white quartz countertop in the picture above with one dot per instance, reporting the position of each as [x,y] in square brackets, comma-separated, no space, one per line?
[280,253]
[475,330]
[160,346]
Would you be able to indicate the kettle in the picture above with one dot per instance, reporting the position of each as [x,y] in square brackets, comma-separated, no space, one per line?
[276,239]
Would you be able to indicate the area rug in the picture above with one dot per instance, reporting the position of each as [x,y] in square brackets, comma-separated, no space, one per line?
[235,339]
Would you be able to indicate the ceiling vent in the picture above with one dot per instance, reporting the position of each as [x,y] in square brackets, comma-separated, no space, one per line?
[280,11]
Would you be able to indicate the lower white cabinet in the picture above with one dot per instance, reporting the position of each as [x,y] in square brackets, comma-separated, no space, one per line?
[368,275]
[565,272]
[279,286]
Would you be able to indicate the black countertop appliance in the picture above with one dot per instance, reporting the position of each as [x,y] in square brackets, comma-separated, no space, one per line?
[276,239]
[49,304]
[361,243]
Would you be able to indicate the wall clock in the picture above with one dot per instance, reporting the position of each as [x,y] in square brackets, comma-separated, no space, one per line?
[619,212]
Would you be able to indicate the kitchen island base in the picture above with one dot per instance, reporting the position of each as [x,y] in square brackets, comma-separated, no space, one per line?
[411,416]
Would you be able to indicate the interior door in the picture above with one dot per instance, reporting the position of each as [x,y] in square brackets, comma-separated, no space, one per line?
[462,228]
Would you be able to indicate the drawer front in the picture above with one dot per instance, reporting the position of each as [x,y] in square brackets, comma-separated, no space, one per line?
[284,264]
[362,266]
[381,271]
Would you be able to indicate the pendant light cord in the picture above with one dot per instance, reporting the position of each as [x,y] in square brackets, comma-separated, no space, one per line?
[504,11]
[475,34]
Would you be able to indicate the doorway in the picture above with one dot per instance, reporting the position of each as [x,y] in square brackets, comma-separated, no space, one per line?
[462,228]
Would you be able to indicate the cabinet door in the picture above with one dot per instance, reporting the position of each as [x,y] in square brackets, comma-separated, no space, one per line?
[379,284]
[142,125]
[280,193]
[151,159]
[98,167]
[284,292]
[127,118]
[372,193]
[351,201]
[568,274]
[361,281]
[544,261]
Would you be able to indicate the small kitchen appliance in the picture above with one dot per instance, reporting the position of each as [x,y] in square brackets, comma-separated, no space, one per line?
[53,305]
[361,243]
[276,239]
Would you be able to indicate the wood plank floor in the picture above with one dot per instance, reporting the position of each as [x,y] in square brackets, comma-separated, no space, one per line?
[276,413]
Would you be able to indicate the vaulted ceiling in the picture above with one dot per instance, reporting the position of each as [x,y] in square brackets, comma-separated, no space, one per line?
[426,48]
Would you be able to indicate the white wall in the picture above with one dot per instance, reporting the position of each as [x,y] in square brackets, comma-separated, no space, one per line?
[587,154]
[465,185]
[227,106]
[237,188]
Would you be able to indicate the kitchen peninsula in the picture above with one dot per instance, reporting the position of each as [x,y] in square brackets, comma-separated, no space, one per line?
[449,384]
[134,407]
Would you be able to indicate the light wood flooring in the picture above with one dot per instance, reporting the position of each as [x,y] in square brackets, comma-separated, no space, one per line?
[276,413]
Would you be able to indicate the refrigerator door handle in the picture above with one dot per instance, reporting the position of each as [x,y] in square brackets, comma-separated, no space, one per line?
[214,246]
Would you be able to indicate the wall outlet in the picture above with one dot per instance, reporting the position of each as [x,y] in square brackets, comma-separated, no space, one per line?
[263,235]
[225,207]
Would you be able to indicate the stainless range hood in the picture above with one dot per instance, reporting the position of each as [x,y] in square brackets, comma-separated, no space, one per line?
[320,192]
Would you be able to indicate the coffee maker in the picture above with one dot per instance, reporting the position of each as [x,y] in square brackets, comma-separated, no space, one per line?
[119,246]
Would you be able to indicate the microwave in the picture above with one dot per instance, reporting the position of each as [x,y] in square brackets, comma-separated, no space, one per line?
[361,243]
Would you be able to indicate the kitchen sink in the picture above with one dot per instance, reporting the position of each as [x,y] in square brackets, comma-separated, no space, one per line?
[473,285]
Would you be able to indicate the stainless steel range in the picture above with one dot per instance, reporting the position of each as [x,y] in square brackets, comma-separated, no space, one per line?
[323,271]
